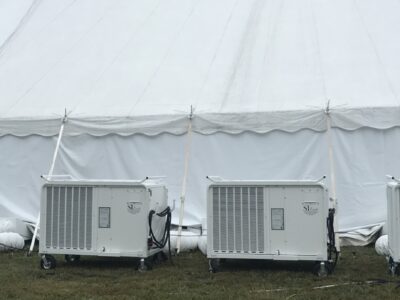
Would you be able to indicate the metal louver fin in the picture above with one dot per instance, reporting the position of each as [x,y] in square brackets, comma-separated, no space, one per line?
[238,219]
[69,212]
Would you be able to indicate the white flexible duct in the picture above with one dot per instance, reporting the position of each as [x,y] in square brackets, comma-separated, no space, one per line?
[382,246]
[11,241]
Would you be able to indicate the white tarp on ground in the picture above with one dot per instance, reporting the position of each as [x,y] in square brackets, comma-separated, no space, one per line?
[258,73]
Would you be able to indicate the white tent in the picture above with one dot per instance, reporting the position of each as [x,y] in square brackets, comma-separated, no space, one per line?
[258,73]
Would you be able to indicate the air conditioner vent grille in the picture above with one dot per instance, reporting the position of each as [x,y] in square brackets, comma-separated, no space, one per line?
[238,219]
[69,217]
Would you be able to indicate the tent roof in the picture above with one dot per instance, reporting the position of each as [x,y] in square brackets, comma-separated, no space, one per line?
[11,15]
[134,66]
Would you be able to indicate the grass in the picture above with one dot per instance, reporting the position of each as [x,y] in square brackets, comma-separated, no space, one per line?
[188,278]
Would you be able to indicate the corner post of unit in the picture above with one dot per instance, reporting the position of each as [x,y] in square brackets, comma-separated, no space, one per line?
[184,181]
[333,193]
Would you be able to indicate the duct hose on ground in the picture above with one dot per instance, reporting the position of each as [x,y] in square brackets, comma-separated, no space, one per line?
[381,246]
[11,241]
[189,241]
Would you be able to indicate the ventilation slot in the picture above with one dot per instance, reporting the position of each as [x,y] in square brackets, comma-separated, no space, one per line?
[238,219]
[69,217]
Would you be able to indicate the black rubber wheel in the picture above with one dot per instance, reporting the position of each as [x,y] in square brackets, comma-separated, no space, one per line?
[162,256]
[148,265]
[214,265]
[317,269]
[394,268]
[159,257]
[329,266]
[72,259]
[48,262]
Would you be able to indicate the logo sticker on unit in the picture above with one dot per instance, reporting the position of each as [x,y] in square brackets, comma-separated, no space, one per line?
[310,208]
[134,207]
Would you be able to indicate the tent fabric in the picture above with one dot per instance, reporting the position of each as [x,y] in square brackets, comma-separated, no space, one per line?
[138,156]
[12,16]
[261,122]
[362,158]
[210,123]
[258,76]
[148,125]
[109,63]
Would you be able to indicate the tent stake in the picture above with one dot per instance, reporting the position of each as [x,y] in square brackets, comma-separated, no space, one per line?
[60,134]
[183,192]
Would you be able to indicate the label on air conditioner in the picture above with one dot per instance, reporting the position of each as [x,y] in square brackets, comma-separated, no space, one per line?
[277,219]
[134,207]
[310,208]
[104,217]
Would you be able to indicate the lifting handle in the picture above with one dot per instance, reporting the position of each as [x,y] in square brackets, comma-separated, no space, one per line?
[152,177]
[214,178]
[393,178]
[173,205]
[50,178]
[321,179]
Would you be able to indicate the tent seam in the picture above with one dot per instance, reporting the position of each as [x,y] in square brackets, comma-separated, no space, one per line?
[376,52]
[167,53]
[55,64]
[120,51]
[20,25]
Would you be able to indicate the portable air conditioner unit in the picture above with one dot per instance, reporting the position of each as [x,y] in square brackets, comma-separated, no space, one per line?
[273,220]
[103,218]
[393,225]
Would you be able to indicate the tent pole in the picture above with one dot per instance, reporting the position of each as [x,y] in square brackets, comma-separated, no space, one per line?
[60,134]
[56,150]
[333,197]
[185,174]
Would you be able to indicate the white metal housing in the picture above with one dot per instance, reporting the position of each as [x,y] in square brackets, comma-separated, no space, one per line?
[277,220]
[393,219]
[101,218]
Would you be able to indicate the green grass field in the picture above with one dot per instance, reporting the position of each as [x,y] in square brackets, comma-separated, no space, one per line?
[188,278]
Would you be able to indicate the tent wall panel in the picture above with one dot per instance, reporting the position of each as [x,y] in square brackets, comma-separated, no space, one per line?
[23,160]
[361,160]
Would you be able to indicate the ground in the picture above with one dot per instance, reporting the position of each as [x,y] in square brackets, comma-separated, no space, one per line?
[188,278]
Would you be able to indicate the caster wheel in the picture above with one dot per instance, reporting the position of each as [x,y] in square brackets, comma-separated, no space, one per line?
[329,267]
[72,259]
[159,257]
[144,265]
[47,262]
[321,268]
[214,265]
[394,268]
[162,256]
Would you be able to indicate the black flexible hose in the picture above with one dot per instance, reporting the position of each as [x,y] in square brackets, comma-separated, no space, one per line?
[331,240]
[166,237]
